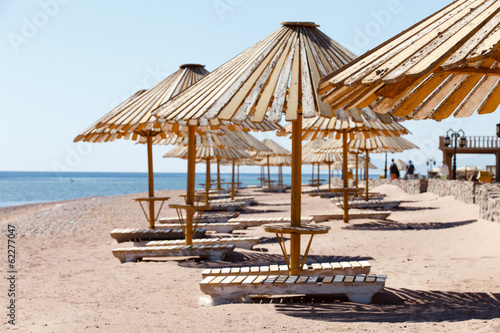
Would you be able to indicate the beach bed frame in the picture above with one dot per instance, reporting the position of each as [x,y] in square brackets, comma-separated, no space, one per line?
[247,200]
[362,204]
[244,242]
[209,251]
[205,218]
[376,215]
[247,222]
[229,289]
[221,228]
[139,235]
[318,269]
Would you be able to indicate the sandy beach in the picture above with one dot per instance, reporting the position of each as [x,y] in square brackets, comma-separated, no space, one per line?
[442,262]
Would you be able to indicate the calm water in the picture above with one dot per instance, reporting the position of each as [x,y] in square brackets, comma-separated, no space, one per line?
[19,188]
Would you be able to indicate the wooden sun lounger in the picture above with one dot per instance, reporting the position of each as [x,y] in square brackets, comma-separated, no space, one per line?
[240,242]
[319,269]
[229,206]
[276,188]
[138,235]
[382,215]
[228,289]
[212,252]
[221,228]
[246,222]
[247,200]
[205,218]
[362,204]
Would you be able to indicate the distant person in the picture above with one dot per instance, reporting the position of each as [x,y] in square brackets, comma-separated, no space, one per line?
[393,169]
[410,170]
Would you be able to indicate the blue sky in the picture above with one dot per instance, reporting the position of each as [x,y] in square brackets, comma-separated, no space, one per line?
[68,62]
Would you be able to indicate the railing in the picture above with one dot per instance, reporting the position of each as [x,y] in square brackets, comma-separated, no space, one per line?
[478,142]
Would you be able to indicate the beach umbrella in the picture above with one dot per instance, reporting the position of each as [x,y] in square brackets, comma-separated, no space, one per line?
[311,156]
[276,76]
[374,144]
[275,149]
[401,165]
[367,125]
[132,119]
[221,144]
[208,153]
[278,161]
[446,64]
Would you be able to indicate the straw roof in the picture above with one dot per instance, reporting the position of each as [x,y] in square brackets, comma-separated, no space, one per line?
[277,75]
[220,138]
[371,125]
[275,149]
[134,115]
[208,152]
[445,64]
[376,144]
[276,160]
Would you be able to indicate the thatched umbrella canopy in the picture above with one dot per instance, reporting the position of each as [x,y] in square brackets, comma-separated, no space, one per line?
[313,157]
[278,161]
[275,149]
[375,144]
[445,64]
[132,119]
[221,144]
[276,76]
[366,124]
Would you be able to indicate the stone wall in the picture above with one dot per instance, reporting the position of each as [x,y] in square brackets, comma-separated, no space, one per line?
[461,190]
[488,199]
[486,196]
[409,186]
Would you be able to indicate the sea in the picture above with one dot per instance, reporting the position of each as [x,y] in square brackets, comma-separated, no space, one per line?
[21,188]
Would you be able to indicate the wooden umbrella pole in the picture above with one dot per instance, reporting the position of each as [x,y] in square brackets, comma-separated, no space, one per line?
[357,167]
[296,194]
[218,174]
[366,175]
[238,176]
[344,176]
[191,170]
[207,181]
[268,173]
[318,177]
[329,176]
[151,184]
[232,182]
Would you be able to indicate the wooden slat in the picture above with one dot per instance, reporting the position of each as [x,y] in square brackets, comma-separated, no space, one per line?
[491,101]
[349,279]
[207,280]
[267,93]
[249,279]
[414,98]
[239,279]
[217,280]
[466,29]
[391,47]
[308,107]
[459,56]
[427,107]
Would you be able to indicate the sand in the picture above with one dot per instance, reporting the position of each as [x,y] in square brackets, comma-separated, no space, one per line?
[442,262]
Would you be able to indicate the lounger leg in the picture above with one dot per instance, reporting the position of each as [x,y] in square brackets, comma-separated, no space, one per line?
[208,301]
[360,298]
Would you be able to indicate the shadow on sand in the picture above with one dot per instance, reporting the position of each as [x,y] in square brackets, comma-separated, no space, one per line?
[411,209]
[394,306]
[393,225]
[260,258]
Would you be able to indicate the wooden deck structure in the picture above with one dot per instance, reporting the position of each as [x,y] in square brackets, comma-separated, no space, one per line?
[475,145]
